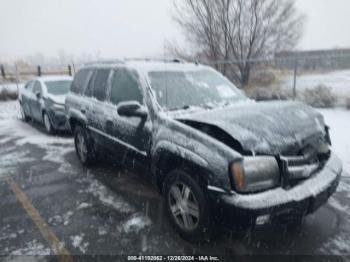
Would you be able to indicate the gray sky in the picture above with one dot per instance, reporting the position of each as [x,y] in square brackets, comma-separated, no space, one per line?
[131,28]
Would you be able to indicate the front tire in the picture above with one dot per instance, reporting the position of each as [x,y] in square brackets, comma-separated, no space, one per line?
[187,207]
[84,147]
[48,125]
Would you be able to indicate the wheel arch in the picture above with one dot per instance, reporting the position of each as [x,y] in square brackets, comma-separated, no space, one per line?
[75,119]
[171,158]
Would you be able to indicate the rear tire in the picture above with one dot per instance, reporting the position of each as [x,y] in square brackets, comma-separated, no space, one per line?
[187,207]
[47,124]
[84,147]
[24,116]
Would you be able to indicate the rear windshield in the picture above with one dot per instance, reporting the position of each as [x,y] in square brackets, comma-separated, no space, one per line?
[58,87]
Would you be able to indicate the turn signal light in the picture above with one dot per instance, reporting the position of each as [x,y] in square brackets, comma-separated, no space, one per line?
[237,171]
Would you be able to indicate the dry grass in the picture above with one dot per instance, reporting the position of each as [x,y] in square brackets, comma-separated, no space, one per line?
[321,97]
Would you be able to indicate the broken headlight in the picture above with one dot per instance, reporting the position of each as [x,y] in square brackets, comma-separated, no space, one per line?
[254,174]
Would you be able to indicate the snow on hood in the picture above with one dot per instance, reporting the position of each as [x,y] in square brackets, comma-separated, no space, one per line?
[58,99]
[267,127]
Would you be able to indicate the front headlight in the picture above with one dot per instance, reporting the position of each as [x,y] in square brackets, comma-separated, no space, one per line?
[58,107]
[254,174]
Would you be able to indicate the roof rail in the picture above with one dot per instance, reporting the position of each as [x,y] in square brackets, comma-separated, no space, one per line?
[171,60]
[105,62]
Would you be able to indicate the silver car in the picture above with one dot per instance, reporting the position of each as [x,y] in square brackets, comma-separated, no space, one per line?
[42,100]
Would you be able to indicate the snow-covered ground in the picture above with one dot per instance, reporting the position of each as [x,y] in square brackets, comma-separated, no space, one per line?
[339,122]
[11,127]
[338,81]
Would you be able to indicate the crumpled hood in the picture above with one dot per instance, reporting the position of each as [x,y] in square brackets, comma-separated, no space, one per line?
[58,99]
[266,127]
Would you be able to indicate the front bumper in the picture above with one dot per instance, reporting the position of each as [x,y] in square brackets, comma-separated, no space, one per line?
[304,198]
[58,120]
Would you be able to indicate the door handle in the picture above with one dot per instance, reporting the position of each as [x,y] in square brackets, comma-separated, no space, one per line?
[83,110]
[109,121]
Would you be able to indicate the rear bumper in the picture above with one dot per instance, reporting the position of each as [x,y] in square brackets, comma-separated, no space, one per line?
[302,199]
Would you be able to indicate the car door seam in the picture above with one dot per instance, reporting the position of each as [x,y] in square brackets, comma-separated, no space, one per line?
[116,140]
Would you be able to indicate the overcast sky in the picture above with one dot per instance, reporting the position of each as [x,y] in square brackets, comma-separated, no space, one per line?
[132,28]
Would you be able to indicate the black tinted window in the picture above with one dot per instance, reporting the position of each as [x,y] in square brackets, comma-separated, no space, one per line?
[125,87]
[80,81]
[100,84]
[90,86]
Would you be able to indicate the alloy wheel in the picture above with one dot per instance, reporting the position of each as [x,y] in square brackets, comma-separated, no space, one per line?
[184,206]
[47,123]
[23,115]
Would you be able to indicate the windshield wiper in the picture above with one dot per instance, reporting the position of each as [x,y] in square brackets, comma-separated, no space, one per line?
[185,107]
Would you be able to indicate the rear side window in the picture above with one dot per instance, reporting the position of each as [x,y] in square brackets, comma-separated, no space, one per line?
[90,85]
[100,84]
[80,81]
[125,87]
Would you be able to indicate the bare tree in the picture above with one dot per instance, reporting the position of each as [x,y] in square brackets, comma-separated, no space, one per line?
[239,30]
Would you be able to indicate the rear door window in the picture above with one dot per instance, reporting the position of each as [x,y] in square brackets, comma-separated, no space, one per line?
[100,84]
[125,87]
[80,81]
[90,85]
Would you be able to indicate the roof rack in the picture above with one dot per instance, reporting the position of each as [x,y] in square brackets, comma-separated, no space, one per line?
[105,62]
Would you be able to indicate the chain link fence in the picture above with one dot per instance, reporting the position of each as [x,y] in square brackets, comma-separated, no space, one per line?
[319,80]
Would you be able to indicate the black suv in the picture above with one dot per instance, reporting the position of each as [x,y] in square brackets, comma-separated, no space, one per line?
[218,157]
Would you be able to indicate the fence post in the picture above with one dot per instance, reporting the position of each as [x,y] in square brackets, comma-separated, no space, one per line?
[16,69]
[3,71]
[73,67]
[70,70]
[295,79]
[39,70]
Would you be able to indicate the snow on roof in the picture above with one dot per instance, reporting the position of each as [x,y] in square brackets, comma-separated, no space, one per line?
[54,78]
[147,66]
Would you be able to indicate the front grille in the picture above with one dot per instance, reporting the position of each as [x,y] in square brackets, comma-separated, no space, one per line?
[297,168]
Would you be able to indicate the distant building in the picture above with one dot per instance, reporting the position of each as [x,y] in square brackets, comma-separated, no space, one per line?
[315,59]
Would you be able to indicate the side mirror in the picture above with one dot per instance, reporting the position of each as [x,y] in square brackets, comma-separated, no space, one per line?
[132,108]
[38,95]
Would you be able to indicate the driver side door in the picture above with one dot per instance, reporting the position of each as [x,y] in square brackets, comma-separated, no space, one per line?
[35,103]
[130,134]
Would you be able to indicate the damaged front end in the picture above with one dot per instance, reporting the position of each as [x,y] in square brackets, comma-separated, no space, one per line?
[305,197]
[282,144]
[287,168]
[258,173]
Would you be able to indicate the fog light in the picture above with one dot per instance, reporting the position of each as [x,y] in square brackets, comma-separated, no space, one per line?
[262,220]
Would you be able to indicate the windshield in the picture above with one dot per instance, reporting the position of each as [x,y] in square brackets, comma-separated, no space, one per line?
[182,89]
[58,87]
